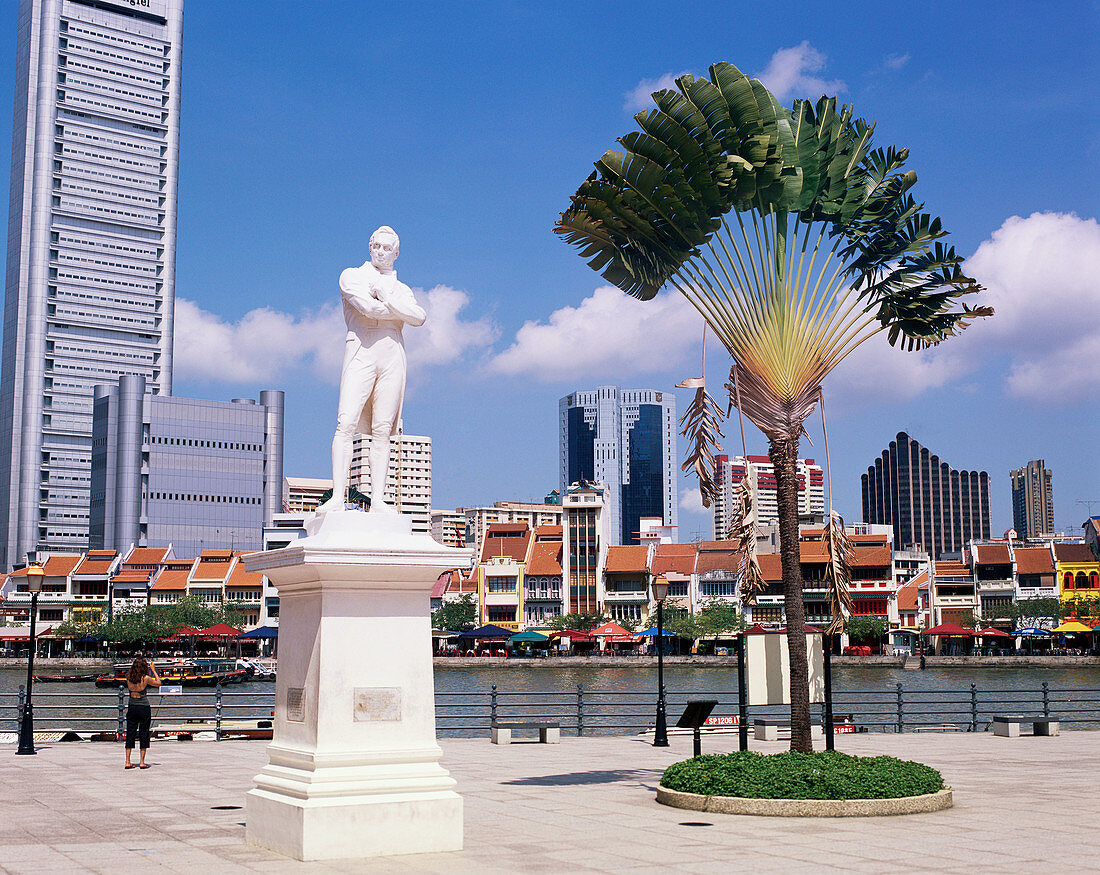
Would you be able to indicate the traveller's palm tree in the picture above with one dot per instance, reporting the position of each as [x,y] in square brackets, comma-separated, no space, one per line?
[794,240]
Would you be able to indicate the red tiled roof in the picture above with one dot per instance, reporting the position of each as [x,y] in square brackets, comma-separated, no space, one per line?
[210,570]
[60,566]
[677,558]
[992,554]
[441,584]
[545,558]
[1095,523]
[240,577]
[950,568]
[510,548]
[96,562]
[501,528]
[718,545]
[146,556]
[1033,560]
[134,575]
[548,533]
[216,554]
[626,558]
[718,560]
[771,566]
[171,580]
[813,551]
[869,540]
[1073,552]
[908,596]
[865,557]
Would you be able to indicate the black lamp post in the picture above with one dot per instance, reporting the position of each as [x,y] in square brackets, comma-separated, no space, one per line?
[26,727]
[660,731]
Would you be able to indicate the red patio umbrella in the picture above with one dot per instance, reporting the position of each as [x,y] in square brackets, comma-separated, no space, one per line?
[949,630]
[993,633]
[613,632]
[217,632]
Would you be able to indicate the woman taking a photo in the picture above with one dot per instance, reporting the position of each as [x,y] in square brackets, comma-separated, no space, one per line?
[139,678]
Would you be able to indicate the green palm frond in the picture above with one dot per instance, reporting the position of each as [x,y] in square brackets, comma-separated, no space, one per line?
[793,237]
[700,425]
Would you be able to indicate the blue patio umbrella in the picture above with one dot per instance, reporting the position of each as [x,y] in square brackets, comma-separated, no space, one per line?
[1032,633]
[487,632]
[263,632]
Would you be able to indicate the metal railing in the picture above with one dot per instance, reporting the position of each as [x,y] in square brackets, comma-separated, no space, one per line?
[580,710]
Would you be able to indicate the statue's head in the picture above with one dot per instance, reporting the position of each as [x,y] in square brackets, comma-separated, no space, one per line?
[384,246]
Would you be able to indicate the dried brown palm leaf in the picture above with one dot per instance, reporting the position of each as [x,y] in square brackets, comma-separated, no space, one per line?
[700,425]
[838,578]
[742,531]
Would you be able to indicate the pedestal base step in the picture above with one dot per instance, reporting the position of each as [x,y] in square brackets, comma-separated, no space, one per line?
[359,827]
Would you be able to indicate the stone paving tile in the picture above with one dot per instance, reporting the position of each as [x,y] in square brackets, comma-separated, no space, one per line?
[533,808]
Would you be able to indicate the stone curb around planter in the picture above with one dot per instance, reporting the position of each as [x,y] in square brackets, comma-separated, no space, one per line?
[806,807]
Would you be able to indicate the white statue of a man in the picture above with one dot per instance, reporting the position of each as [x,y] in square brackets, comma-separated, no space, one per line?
[372,382]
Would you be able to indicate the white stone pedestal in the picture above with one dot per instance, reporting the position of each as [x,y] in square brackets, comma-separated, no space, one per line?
[354,764]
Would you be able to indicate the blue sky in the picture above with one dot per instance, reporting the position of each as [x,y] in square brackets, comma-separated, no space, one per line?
[467,126]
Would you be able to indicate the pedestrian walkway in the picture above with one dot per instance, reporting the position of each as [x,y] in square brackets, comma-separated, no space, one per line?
[585,805]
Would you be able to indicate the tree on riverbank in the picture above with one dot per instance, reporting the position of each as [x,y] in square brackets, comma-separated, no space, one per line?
[459,615]
[825,248]
[579,622]
[152,623]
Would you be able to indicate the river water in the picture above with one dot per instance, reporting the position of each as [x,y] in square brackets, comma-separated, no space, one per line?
[620,698]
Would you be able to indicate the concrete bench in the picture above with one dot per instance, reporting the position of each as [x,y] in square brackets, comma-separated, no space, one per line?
[1008,725]
[549,732]
[767,729]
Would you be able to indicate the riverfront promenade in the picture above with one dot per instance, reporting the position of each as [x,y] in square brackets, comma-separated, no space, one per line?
[584,805]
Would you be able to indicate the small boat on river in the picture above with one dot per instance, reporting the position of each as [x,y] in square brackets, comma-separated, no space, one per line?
[201,673]
[64,678]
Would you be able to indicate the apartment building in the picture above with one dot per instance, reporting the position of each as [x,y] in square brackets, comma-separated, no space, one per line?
[409,481]
[730,471]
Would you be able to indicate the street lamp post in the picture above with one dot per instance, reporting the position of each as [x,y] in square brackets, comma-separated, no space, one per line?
[660,730]
[26,726]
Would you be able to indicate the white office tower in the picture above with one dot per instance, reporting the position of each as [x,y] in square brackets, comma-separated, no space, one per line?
[409,484]
[731,470]
[91,246]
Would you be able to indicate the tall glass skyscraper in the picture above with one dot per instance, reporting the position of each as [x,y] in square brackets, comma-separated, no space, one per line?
[91,246]
[625,439]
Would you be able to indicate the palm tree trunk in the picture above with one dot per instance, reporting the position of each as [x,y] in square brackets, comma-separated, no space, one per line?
[783,452]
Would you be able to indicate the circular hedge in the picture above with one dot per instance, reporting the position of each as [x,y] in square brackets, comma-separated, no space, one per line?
[792,775]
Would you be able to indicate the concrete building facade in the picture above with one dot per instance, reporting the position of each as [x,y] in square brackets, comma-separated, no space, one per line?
[731,470]
[188,473]
[1032,500]
[91,246]
[928,503]
[409,483]
[626,440]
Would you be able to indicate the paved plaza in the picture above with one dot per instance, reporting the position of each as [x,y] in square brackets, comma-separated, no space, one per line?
[584,805]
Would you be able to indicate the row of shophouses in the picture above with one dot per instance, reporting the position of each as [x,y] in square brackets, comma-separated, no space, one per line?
[93,585]
[525,575]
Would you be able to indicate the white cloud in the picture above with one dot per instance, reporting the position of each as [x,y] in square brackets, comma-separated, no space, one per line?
[788,74]
[691,501]
[1040,277]
[445,336]
[877,372]
[264,343]
[1041,273]
[896,62]
[641,95]
[608,336]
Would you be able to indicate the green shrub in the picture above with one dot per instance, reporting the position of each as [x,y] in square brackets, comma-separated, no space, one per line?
[792,775]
